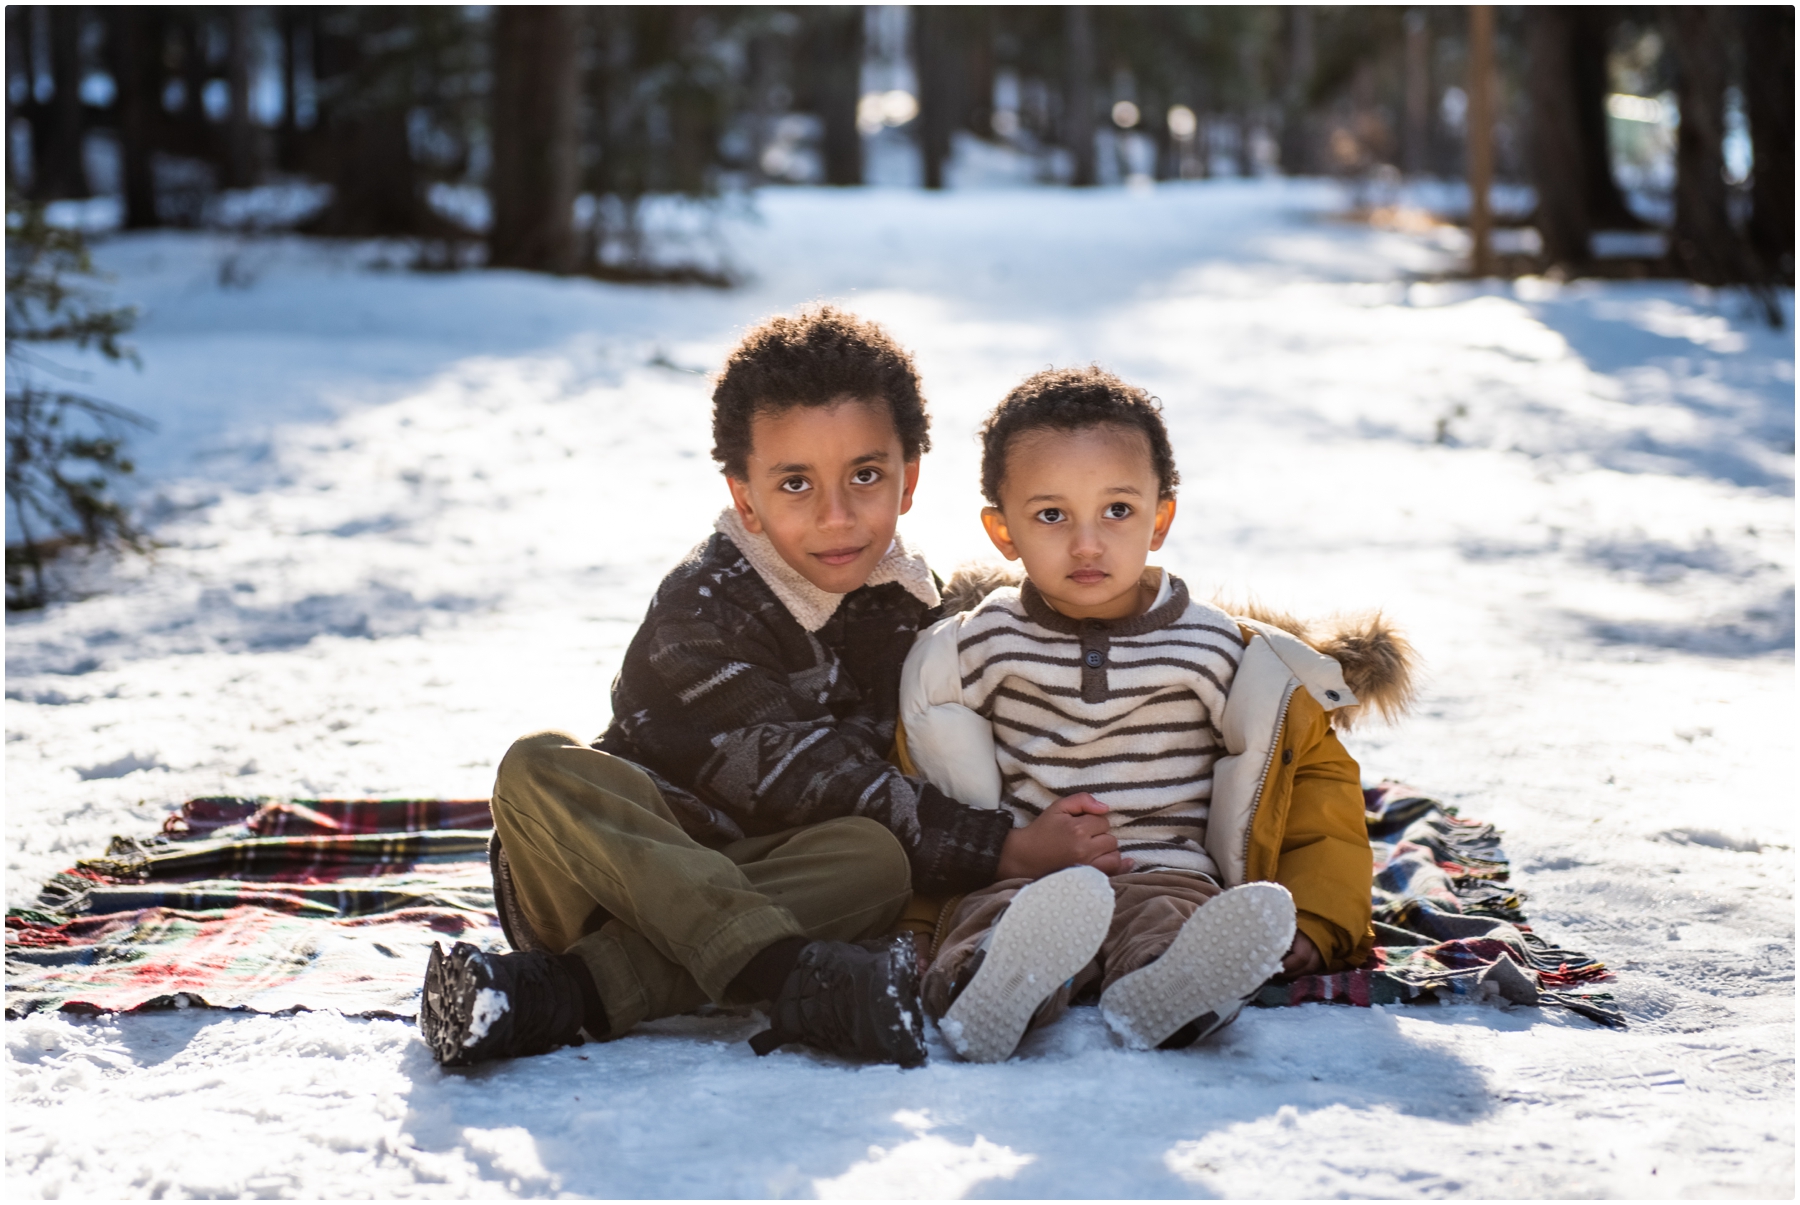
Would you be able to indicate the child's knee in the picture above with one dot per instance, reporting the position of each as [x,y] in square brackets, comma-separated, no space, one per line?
[874,855]
[527,761]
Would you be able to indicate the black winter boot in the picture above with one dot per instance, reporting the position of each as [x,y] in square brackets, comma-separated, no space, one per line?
[860,1001]
[480,1006]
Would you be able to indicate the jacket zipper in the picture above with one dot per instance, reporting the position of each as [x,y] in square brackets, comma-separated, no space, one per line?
[1287,700]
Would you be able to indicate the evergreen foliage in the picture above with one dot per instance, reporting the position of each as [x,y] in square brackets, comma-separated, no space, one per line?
[64,450]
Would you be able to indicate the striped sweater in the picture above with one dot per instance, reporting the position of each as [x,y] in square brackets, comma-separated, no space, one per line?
[1127,710]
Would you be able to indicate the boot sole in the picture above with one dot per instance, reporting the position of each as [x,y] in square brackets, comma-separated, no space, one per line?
[1049,931]
[1227,950]
[448,1006]
[909,1019]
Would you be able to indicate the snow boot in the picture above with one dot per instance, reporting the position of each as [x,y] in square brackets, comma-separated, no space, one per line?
[1049,931]
[858,1000]
[519,933]
[479,1006]
[1222,956]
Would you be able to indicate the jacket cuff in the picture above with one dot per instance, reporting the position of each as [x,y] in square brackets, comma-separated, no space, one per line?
[959,846]
[1332,941]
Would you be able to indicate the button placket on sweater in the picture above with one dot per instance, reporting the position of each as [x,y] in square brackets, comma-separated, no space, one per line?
[1096,651]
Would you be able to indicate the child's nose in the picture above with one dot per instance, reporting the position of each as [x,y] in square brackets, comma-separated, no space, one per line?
[836,510]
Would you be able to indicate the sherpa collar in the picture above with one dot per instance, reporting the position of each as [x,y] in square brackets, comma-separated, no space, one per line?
[810,606]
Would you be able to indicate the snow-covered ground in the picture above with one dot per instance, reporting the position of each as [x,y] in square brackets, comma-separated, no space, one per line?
[408,517]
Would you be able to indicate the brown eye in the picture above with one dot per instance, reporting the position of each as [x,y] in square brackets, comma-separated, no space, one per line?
[1050,514]
[1119,510]
[865,477]
[796,485]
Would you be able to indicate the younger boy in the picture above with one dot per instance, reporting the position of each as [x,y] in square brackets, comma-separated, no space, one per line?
[738,828]
[1102,686]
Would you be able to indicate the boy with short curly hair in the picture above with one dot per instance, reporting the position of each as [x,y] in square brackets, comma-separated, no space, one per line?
[1099,690]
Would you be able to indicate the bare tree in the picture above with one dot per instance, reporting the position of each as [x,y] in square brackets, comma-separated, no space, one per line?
[1559,170]
[536,137]
[60,170]
[830,68]
[1704,245]
[935,52]
[240,149]
[1300,62]
[131,47]
[1769,102]
[1416,144]
[1078,113]
[1590,32]
[1481,137]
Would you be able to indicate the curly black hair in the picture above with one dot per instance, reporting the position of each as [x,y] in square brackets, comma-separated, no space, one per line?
[820,356]
[1074,399]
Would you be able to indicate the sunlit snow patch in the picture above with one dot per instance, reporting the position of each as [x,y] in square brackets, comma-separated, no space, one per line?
[926,1168]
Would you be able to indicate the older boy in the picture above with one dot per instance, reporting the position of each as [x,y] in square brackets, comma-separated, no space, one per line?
[738,826]
[1103,685]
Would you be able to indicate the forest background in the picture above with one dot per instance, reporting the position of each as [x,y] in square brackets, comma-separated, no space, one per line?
[561,120]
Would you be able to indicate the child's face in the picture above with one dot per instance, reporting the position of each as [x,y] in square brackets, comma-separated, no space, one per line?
[826,485]
[1080,508]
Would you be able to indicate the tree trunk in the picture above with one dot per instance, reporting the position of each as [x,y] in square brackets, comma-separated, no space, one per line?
[136,102]
[1606,205]
[287,134]
[833,50]
[1481,137]
[1418,92]
[1558,169]
[1704,245]
[62,172]
[240,150]
[1078,115]
[18,64]
[195,71]
[934,53]
[1301,61]
[536,138]
[1769,101]
[364,151]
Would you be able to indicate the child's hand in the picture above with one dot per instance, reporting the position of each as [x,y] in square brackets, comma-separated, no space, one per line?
[1303,958]
[1073,831]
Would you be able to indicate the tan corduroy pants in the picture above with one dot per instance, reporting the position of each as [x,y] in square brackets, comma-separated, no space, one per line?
[1149,908]
[603,870]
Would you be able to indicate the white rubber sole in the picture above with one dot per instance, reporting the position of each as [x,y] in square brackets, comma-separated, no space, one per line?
[1048,932]
[1226,951]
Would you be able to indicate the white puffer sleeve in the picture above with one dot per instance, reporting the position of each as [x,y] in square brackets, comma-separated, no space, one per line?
[950,743]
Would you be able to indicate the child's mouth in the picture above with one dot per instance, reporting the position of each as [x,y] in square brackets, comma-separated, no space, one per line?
[839,556]
[1088,577]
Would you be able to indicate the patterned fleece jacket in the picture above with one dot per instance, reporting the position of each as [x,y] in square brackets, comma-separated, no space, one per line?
[759,702]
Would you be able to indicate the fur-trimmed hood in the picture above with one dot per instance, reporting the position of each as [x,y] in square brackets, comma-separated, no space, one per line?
[1378,661]
[1380,665]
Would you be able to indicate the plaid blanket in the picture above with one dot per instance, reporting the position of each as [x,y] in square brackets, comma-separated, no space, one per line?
[279,905]
[1447,923]
[262,905]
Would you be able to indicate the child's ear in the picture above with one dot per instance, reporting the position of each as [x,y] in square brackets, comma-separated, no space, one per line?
[909,481]
[1165,515]
[740,498]
[995,522]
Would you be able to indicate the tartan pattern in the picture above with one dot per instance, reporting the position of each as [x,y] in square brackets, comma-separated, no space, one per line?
[269,905]
[281,905]
[1447,923]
